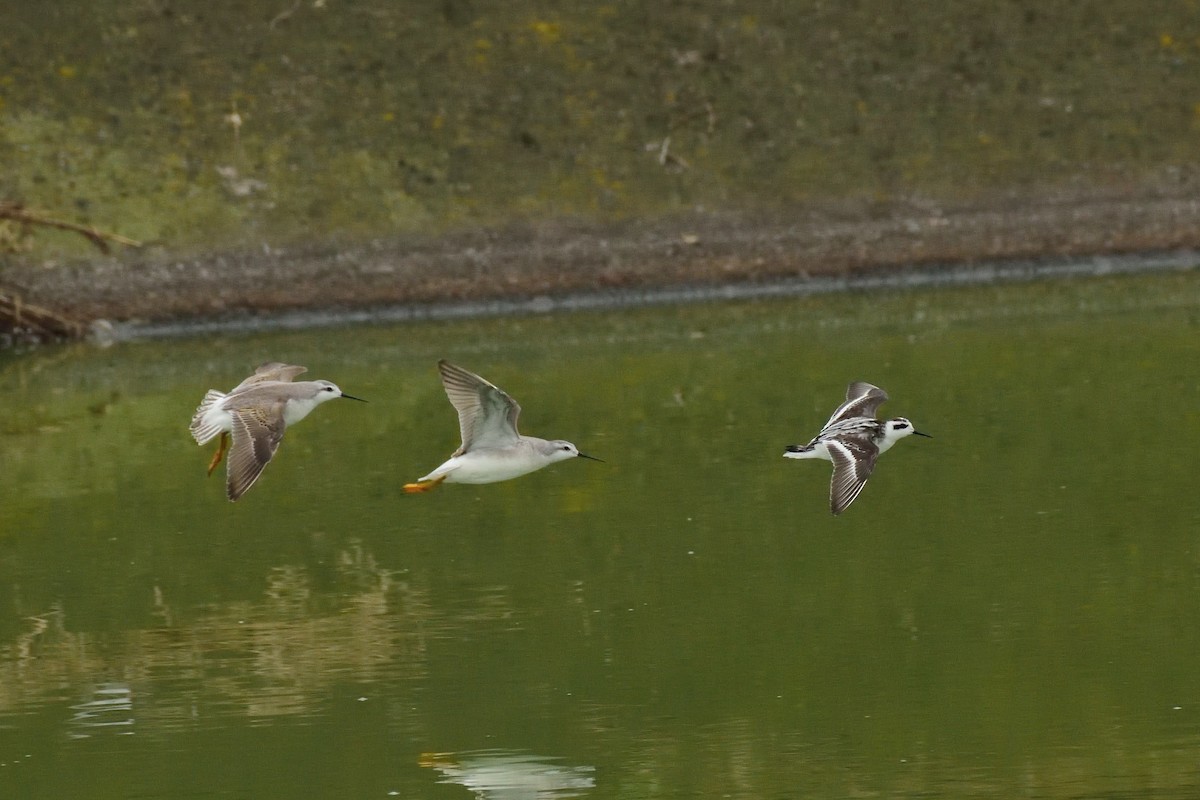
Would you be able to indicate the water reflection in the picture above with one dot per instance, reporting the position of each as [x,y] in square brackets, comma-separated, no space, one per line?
[690,619]
[110,709]
[271,658]
[511,775]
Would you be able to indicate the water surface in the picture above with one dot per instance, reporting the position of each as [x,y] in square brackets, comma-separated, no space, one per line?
[1009,609]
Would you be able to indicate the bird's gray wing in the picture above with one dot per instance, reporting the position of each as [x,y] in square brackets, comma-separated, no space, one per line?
[862,400]
[487,415]
[271,371]
[853,461]
[257,431]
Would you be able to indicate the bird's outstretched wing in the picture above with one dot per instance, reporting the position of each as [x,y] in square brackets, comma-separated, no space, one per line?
[257,431]
[853,462]
[862,400]
[487,415]
[271,371]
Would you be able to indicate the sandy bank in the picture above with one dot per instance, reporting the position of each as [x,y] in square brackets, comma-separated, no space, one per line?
[564,258]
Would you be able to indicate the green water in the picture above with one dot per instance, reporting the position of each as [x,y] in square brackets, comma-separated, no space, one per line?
[1010,609]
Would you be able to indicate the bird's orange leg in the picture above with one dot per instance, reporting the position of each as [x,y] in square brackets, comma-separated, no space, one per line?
[217,456]
[421,487]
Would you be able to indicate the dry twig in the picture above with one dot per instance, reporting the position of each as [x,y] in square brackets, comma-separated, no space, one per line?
[18,213]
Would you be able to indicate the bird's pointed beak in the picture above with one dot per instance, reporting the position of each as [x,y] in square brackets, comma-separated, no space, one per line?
[918,433]
[590,458]
[352,397]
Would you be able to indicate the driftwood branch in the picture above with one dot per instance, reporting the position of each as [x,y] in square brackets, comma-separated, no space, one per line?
[24,320]
[18,213]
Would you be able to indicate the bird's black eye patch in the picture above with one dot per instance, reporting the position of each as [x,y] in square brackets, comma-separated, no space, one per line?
[901,426]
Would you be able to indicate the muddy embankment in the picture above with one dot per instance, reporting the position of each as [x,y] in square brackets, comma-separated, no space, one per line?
[553,260]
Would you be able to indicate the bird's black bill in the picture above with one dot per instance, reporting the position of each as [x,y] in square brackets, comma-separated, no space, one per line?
[590,458]
[918,433]
[352,397]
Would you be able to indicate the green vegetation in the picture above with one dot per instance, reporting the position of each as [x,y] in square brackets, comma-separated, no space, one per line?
[189,123]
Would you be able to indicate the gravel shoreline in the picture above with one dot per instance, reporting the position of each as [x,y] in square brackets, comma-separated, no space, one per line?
[560,259]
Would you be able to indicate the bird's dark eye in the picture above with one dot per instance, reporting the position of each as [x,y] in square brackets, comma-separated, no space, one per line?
[901,426]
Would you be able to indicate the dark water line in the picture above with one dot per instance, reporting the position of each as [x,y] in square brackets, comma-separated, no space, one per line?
[928,277]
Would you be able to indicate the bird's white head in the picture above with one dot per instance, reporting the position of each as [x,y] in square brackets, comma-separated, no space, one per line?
[559,450]
[327,390]
[896,429]
[302,403]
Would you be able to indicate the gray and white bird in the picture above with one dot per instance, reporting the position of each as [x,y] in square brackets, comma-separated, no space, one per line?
[853,440]
[491,449]
[256,413]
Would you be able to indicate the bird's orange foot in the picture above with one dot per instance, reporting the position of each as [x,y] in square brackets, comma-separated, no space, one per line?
[421,487]
[217,456]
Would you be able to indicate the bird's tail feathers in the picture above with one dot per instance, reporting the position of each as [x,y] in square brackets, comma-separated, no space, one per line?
[800,451]
[203,431]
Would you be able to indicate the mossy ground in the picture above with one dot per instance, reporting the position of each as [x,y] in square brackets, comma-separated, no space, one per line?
[199,126]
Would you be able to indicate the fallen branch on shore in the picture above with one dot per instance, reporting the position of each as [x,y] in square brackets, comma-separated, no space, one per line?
[22,321]
[18,213]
